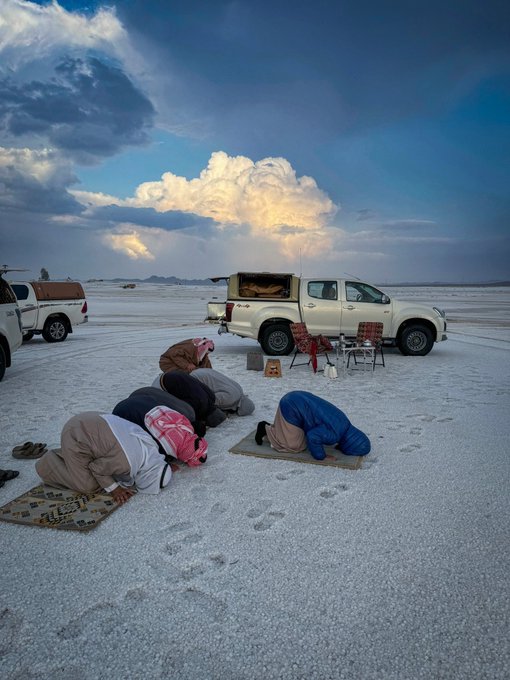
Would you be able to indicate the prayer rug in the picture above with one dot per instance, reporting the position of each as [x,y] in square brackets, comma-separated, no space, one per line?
[45,506]
[249,447]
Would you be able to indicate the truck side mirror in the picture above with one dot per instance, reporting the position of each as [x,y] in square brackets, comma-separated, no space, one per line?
[385,300]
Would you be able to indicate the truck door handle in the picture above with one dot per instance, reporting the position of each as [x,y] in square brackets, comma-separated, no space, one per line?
[350,307]
[310,304]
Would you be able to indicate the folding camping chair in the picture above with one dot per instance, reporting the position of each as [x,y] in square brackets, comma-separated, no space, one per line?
[309,344]
[369,330]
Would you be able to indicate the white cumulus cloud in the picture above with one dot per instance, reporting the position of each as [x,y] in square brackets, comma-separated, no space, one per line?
[29,31]
[265,194]
[95,199]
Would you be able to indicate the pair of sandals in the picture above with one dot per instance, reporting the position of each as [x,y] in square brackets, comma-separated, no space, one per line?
[29,451]
[6,475]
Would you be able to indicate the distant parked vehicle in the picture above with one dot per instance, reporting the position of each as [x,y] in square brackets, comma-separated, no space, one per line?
[10,324]
[50,308]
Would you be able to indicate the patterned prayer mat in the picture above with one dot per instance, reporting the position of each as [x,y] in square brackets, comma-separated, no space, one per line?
[249,447]
[45,506]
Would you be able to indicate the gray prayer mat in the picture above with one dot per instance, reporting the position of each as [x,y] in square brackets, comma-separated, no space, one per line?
[249,447]
[45,506]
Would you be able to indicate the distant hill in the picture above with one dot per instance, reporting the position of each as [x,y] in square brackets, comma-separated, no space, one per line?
[171,280]
[175,281]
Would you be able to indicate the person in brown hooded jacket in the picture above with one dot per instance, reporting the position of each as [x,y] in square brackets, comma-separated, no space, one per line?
[187,355]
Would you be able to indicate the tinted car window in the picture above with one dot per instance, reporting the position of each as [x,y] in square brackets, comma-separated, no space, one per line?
[20,291]
[324,290]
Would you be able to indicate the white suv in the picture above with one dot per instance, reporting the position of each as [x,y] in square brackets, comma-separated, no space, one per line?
[10,325]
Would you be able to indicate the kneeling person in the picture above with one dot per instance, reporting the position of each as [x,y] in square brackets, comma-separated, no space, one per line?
[305,420]
[102,452]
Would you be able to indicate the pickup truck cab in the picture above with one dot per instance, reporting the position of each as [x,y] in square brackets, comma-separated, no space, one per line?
[263,305]
[10,325]
[50,308]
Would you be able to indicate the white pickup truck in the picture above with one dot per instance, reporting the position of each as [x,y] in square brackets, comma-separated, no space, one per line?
[10,324]
[50,308]
[263,305]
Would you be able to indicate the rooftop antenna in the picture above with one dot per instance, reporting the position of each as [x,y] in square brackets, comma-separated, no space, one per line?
[352,276]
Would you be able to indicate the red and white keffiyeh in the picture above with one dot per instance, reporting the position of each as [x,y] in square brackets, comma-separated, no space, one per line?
[175,434]
[203,346]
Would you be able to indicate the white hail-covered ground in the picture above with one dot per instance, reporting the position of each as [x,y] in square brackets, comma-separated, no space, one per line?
[247,568]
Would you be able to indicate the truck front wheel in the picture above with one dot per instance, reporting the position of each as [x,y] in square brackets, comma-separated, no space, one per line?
[3,362]
[55,330]
[277,340]
[416,341]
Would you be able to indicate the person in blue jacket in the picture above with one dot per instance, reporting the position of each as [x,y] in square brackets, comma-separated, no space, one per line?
[305,420]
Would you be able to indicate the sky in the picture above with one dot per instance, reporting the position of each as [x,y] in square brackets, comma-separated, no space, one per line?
[199,138]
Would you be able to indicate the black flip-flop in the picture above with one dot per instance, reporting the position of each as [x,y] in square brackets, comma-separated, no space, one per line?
[29,452]
[22,447]
[6,475]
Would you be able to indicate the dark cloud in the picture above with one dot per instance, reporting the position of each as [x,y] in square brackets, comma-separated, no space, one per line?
[263,74]
[89,110]
[24,193]
[33,241]
[148,217]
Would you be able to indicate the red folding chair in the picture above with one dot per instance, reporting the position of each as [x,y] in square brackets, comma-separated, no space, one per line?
[313,345]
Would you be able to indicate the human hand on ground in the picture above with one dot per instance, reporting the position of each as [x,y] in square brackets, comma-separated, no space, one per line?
[121,495]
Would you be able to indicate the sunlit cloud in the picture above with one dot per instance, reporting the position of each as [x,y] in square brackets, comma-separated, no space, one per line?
[267,195]
[29,31]
[129,243]
[45,165]
[97,199]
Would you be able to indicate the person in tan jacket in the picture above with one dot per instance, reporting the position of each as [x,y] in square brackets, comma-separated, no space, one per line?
[102,452]
[187,355]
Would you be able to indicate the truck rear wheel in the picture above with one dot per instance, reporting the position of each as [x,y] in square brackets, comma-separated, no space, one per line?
[416,341]
[277,340]
[55,330]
